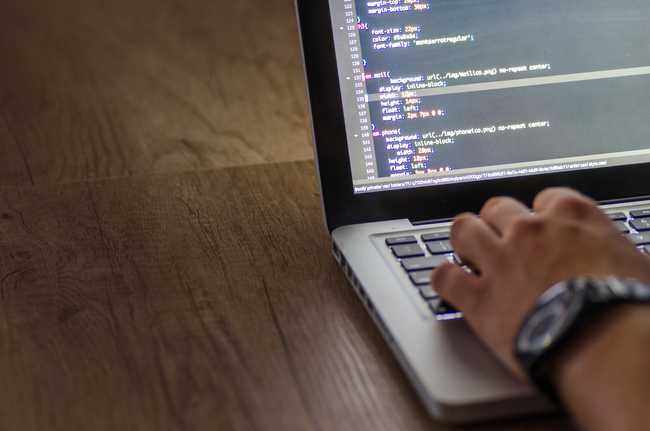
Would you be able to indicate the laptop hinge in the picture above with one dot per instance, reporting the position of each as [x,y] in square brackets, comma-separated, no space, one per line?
[425,222]
[603,202]
[626,200]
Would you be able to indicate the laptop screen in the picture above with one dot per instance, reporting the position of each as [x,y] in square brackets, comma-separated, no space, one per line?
[437,92]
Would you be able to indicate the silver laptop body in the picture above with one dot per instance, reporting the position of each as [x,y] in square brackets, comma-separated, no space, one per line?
[403,144]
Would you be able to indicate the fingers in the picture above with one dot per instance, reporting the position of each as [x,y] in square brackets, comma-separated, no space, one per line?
[456,286]
[474,241]
[501,212]
[549,197]
[570,204]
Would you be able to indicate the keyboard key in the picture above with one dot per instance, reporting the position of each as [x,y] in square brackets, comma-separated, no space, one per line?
[645,249]
[640,213]
[440,247]
[641,225]
[423,263]
[421,278]
[443,311]
[427,292]
[407,250]
[642,238]
[444,308]
[433,304]
[622,227]
[400,240]
[440,236]
[619,216]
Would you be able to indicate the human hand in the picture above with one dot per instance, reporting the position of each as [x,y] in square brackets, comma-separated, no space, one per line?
[517,255]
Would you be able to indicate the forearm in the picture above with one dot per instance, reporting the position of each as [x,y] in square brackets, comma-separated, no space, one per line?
[604,379]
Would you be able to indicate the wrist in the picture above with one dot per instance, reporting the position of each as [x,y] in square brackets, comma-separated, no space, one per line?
[601,375]
[593,345]
[563,321]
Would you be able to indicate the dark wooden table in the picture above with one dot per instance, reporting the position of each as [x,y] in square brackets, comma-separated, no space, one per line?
[163,261]
[203,300]
[97,89]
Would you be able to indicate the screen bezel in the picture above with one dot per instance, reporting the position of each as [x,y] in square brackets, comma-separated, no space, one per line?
[343,207]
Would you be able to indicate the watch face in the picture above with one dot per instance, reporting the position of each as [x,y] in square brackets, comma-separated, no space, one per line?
[557,310]
[541,333]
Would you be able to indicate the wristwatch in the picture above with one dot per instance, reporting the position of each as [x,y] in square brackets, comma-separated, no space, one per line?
[560,313]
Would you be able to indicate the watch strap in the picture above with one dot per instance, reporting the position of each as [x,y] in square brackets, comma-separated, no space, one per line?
[589,297]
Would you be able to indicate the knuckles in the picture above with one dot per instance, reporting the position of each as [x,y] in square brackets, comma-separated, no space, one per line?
[540,231]
[492,205]
[460,224]
[527,227]
[574,205]
[566,202]
[547,195]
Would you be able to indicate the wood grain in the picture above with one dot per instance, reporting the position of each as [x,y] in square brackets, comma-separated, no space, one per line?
[201,300]
[14,168]
[97,89]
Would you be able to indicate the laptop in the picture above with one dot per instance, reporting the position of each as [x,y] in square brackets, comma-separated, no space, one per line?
[423,109]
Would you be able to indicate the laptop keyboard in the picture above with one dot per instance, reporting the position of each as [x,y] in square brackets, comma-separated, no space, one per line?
[418,255]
